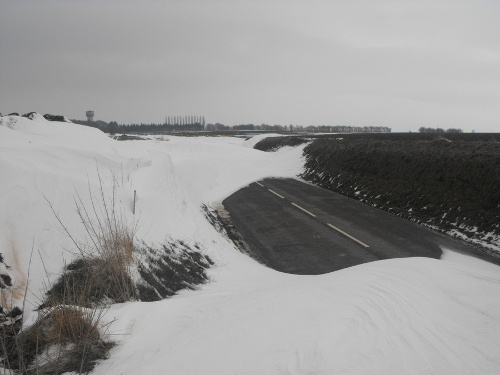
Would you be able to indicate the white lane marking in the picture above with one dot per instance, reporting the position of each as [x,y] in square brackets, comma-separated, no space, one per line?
[303,209]
[348,235]
[258,183]
[281,196]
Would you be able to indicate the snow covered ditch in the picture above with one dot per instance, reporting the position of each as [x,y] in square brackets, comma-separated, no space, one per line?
[409,316]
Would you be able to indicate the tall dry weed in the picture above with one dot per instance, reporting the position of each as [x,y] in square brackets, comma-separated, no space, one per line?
[106,256]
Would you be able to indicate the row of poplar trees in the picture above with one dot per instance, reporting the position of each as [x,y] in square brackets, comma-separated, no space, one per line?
[185,120]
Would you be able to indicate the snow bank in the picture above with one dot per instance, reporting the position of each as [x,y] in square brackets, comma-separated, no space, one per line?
[45,162]
[52,163]
[410,316]
[401,316]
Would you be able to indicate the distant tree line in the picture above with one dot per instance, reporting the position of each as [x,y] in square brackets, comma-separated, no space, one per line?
[299,128]
[172,123]
[113,127]
[439,130]
[197,123]
[108,127]
[153,128]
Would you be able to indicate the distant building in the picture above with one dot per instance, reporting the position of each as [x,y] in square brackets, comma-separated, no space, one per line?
[90,116]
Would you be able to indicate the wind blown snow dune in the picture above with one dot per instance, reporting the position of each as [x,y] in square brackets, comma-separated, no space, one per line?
[400,316]
[48,162]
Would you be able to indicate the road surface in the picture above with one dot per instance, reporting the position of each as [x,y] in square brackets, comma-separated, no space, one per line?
[300,228]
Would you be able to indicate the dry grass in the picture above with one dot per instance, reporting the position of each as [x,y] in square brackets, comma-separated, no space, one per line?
[63,339]
[71,324]
[104,266]
[66,336]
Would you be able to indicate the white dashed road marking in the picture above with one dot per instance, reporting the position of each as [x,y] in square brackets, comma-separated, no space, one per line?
[313,215]
[347,235]
[303,209]
[281,196]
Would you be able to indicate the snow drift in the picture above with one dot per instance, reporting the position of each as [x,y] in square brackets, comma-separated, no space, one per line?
[411,316]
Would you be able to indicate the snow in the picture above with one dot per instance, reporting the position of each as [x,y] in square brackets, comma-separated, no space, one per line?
[43,162]
[46,162]
[411,316]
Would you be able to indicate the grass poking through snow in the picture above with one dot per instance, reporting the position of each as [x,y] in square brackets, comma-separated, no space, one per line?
[110,268]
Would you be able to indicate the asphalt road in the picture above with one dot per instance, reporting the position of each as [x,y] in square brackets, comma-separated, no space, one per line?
[299,228]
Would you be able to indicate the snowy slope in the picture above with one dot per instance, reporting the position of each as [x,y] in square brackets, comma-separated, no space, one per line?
[45,162]
[411,316]
[402,316]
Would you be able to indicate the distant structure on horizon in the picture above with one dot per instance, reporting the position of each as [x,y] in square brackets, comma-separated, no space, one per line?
[90,116]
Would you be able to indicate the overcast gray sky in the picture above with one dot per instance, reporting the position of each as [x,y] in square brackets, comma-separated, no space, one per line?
[402,64]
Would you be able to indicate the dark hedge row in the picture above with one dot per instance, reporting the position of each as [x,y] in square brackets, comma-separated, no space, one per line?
[274,143]
[414,136]
[441,182]
[394,136]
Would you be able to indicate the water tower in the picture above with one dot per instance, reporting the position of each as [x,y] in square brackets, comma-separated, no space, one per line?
[90,116]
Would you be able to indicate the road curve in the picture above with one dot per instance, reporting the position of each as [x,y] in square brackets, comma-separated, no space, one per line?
[296,227]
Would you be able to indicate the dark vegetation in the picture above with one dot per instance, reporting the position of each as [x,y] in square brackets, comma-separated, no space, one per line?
[125,137]
[158,128]
[30,115]
[69,324]
[299,128]
[107,127]
[47,116]
[170,268]
[466,137]
[274,143]
[164,271]
[91,280]
[64,339]
[50,117]
[113,127]
[439,130]
[447,182]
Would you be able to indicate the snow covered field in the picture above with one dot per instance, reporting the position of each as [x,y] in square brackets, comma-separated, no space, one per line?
[402,316]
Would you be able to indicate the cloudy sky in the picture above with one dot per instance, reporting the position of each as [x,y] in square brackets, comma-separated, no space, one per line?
[402,64]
